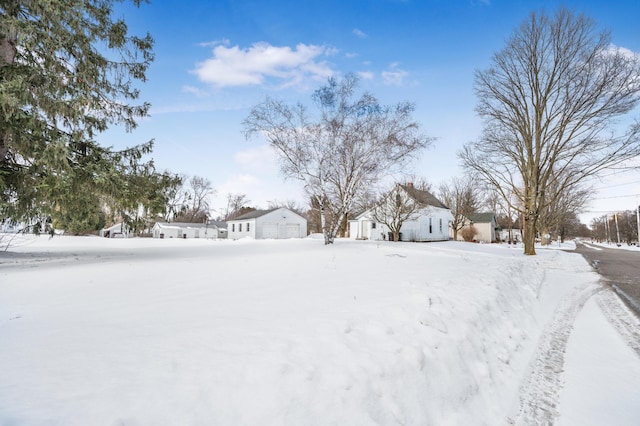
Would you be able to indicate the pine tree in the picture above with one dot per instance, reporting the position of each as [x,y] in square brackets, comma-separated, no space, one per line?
[68,71]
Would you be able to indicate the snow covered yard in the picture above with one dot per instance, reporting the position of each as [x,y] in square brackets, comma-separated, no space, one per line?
[202,332]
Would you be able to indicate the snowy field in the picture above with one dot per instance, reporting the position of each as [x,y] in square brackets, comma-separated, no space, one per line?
[200,332]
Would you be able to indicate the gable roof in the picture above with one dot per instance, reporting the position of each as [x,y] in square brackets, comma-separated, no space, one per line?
[485,217]
[423,197]
[258,213]
[252,215]
[191,225]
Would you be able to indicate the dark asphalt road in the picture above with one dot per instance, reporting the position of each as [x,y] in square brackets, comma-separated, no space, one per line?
[620,268]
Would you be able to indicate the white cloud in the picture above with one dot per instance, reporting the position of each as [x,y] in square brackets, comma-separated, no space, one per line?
[394,76]
[359,33]
[212,43]
[366,75]
[613,49]
[233,66]
[194,90]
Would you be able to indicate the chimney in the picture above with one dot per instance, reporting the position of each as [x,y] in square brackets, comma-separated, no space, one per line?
[410,184]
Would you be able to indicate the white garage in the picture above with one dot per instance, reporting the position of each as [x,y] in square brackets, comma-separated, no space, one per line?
[277,223]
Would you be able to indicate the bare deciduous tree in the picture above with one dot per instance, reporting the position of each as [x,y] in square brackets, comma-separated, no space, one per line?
[199,200]
[553,217]
[235,204]
[549,101]
[462,196]
[176,198]
[287,204]
[189,203]
[395,208]
[343,151]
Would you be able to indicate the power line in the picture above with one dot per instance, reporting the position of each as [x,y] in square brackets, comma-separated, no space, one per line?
[617,196]
[611,174]
[613,186]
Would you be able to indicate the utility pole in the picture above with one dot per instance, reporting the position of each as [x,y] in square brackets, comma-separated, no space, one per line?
[615,216]
[638,219]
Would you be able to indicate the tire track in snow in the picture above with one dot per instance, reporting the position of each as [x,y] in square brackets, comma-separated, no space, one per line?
[621,318]
[539,393]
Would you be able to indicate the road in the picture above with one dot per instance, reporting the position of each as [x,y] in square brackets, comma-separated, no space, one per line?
[620,268]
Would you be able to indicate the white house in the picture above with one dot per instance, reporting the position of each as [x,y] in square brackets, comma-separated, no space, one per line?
[189,230]
[276,223]
[510,235]
[119,230]
[486,227]
[429,223]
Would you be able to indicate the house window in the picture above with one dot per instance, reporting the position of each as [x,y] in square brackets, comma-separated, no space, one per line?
[430,226]
[233,227]
[441,225]
[373,225]
[248,227]
[239,227]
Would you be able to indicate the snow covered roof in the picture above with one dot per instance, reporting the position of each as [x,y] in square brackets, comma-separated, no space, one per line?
[198,225]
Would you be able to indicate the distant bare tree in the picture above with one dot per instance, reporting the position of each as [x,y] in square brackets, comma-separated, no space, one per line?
[176,197]
[462,196]
[419,182]
[235,203]
[394,208]
[190,202]
[342,152]
[549,101]
[200,193]
[506,215]
[287,204]
[554,217]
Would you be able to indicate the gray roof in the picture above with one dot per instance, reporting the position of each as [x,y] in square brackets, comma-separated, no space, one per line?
[194,225]
[254,214]
[485,217]
[423,197]
[218,224]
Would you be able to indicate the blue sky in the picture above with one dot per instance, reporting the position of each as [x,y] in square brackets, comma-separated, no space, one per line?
[215,60]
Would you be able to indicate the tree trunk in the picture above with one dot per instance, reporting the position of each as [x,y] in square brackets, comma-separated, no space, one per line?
[530,235]
[344,226]
[323,224]
[7,56]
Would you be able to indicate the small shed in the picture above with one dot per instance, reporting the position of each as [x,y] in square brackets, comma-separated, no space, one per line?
[119,230]
[279,223]
[486,226]
[189,230]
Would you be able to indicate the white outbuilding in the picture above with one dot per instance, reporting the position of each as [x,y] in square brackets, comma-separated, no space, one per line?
[119,230]
[189,230]
[276,223]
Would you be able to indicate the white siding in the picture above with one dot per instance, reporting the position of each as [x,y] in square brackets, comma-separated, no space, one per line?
[279,223]
[431,225]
